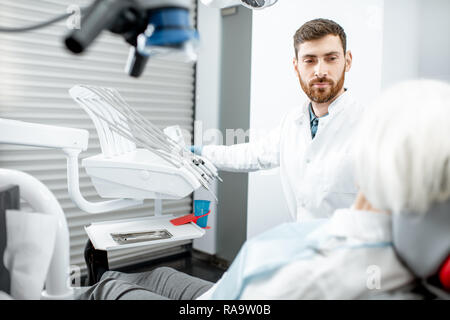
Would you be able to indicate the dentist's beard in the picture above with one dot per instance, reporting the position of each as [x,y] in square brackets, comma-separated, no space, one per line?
[323,95]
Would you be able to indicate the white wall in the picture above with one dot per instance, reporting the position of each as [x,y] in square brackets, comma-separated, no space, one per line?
[275,89]
[207,103]
[434,39]
[401,47]
[416,43]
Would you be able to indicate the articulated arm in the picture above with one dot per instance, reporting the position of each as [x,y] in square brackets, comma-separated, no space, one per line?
[72,142]
[252,4]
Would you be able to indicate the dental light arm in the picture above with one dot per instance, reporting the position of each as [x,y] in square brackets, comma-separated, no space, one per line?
[150,26]
[252,4]
[72,142]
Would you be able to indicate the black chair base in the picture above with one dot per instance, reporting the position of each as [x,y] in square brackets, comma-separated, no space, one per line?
[96,263]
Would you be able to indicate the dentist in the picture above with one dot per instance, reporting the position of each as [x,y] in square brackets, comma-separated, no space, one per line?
[312,144]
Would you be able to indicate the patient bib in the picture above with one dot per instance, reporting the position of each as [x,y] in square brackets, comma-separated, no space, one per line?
[267,252]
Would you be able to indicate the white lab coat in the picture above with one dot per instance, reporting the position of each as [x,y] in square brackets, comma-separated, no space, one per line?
[316,174]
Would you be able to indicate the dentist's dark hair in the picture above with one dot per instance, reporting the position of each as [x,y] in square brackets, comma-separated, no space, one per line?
[317,29]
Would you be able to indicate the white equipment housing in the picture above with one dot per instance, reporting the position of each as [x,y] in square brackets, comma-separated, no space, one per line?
[160,170]
[138,174]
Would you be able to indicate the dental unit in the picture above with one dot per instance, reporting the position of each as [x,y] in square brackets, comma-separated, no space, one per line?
[160,168]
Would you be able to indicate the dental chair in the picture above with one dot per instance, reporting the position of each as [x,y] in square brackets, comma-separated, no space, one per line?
[9,199]
[34,246]
[423,243]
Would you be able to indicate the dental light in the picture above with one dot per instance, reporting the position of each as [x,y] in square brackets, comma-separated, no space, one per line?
[151,27]
[252,4]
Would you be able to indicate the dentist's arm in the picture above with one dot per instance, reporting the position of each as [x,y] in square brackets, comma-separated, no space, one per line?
[264,153]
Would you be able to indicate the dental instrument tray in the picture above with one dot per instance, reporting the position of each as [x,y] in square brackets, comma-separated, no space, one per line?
[138,160]
[130,233]
[133,237]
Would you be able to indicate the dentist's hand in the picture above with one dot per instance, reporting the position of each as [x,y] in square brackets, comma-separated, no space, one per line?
[196,150]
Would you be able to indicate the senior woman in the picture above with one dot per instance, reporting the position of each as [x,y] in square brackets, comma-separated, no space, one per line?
[402,164]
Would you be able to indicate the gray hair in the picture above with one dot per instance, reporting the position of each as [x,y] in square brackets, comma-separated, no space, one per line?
[402,150]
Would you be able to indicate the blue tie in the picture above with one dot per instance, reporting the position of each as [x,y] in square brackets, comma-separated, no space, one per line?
[314,126]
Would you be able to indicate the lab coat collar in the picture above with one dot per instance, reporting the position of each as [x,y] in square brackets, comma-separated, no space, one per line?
[360,225]
[335,107]
[312,116]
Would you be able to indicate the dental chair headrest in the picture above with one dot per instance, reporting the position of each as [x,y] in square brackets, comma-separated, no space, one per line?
[423,242]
